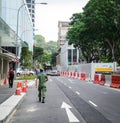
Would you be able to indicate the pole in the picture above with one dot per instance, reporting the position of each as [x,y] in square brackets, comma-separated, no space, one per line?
[18,24]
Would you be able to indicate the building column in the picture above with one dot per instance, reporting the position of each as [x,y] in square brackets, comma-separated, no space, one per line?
[1,68]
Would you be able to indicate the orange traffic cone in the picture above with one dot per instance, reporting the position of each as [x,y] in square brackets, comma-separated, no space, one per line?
[19,85]
[5,81]
[17,92]
[24,88]
[26,83]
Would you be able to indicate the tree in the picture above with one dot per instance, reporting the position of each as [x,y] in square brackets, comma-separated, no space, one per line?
[100,17]
[97,28]
[39,41]
[51,46]
[26,58]
[37,52]
[43,50]
[53,58]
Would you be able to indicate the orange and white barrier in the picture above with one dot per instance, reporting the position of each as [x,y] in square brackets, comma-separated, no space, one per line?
[75,75]
[102,80]
[115,82]
[96,79]
[83,76]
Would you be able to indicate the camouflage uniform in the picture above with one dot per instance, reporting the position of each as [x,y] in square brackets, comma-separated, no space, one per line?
[42,86]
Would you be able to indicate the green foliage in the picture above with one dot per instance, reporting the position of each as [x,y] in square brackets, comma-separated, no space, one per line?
[37,52]
[43,50]
[26,58]
[51,46]
[26,77]
[96,31]
[40,41]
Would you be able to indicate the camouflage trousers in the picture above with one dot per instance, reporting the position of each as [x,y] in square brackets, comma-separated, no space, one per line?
[42,91]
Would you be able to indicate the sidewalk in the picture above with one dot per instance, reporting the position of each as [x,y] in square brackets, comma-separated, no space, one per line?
[1,82]
[8,106]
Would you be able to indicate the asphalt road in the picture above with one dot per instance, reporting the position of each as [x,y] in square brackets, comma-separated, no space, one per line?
[70,100]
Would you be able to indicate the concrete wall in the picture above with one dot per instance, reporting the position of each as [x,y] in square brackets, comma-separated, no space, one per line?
[90,68]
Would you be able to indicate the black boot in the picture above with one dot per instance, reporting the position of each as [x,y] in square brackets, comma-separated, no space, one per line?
[43,100]
[39,96]
[39,99]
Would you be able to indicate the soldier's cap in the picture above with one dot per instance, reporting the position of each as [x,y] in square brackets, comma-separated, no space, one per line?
[41,69]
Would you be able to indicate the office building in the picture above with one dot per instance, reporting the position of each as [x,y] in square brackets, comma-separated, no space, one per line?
[67,54]
[13,14]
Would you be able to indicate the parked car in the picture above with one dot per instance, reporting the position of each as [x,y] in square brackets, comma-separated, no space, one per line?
[53,73]
[21,71]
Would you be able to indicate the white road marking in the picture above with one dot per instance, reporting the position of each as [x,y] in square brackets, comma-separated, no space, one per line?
[70,115]
[92,103]
[77,93]
[70,87]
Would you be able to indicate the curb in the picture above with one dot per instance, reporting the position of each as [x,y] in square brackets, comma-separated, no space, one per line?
[8,107]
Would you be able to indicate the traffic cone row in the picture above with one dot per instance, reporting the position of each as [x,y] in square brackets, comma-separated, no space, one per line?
[21,88]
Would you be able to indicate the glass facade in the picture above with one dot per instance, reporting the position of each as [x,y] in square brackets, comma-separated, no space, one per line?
[7,34]
[12,37]
[10,10]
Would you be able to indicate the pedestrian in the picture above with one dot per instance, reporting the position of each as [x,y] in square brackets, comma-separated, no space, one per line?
[10,77]
[42,86]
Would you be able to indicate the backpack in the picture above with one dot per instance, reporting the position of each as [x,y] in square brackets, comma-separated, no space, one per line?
[11,73]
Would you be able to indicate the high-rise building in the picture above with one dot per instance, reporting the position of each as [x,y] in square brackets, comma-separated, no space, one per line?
[31,7]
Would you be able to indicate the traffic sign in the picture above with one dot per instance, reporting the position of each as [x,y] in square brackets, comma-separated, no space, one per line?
[16,59]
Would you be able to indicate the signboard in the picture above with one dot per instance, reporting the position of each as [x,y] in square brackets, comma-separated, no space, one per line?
[104,68]
[16,59]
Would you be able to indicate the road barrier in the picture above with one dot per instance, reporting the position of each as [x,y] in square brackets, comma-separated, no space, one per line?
[102,80]
[83,76]
[75,75]
[96,79]
[79,75]
[115,83]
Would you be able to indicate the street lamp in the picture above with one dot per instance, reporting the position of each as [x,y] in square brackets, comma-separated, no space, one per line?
[43,3]
[27,31]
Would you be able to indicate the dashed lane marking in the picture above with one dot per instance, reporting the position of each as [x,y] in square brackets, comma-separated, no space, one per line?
[70,87]
[93,103]
[77,93]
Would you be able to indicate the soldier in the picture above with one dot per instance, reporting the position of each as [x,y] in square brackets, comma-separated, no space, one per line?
[42,85]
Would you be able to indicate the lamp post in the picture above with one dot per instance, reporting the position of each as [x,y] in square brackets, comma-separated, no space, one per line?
[43,3]
[27,31]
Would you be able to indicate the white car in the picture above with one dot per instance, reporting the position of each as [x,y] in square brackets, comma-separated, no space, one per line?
[21,71]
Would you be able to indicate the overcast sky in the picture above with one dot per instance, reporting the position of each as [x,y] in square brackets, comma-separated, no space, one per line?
[47,16]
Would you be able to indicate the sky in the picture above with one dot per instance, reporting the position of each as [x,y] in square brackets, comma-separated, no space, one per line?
[47,16]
